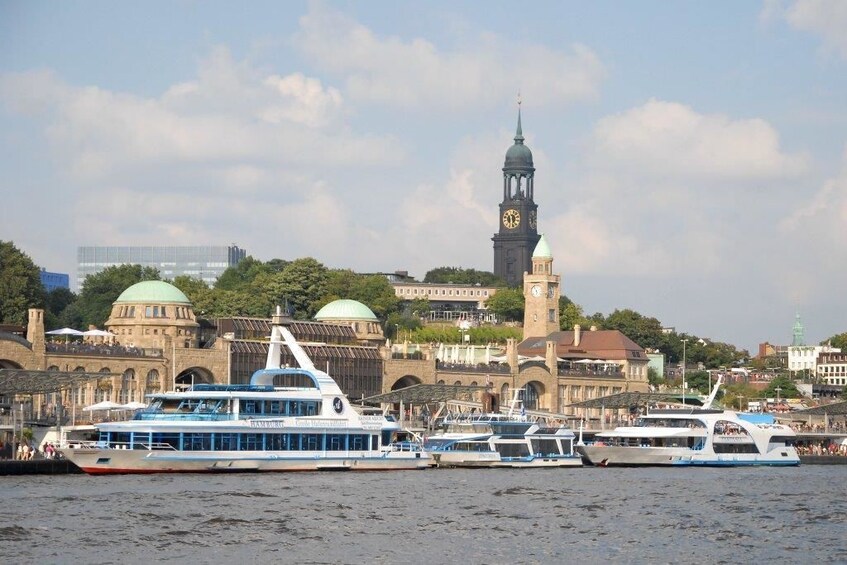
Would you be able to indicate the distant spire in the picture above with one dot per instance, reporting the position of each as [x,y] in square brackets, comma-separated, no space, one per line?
[519,134]
[799,332]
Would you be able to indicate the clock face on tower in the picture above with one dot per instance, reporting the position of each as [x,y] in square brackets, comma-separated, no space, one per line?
[511,219]
[536,290]
[533,219]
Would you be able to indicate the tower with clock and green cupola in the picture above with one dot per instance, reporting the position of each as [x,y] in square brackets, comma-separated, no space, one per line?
[518,234]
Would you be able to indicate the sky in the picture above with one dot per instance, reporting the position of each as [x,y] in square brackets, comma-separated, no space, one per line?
[691,157]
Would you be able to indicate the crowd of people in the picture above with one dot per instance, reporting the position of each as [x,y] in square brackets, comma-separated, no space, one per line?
[23,451]
[824,447]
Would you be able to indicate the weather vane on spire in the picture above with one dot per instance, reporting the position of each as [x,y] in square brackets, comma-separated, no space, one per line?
[519,97]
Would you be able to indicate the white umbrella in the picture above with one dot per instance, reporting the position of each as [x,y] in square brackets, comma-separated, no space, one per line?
[105,405]
[64,331]
[98,333]
[134,405]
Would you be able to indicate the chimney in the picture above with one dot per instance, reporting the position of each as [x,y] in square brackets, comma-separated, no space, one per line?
[576,335]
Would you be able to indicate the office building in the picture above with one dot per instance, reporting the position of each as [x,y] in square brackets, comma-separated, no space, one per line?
[206,262]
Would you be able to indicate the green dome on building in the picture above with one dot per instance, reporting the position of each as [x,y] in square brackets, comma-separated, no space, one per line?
[542,250]
[345,310]
[153,292]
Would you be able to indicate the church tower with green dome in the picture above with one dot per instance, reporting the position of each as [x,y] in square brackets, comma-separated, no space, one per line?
[541,290]
[518,233]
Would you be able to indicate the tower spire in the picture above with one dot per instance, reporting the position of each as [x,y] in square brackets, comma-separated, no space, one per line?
[519,134]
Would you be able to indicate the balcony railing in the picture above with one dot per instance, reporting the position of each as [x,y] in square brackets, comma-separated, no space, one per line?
[499,368]
[100,349]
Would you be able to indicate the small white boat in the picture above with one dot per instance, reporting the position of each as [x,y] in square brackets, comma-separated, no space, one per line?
[502,440]
[286,419]
[695,437]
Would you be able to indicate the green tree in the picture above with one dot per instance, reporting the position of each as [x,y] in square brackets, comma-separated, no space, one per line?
[100,290]
[458,275]
[570,314]
[20,285]
[420,307]
[838,340]
[653,376]
[302,284]
[646,332]
[372,290]
[190,286]
[786,386]
[507,303]
[58,300]
[242,275]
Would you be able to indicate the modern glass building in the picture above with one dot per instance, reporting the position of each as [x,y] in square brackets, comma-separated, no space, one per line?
[52,281]
[206,262]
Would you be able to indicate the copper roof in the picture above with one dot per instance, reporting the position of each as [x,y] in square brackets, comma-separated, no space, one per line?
[598,344]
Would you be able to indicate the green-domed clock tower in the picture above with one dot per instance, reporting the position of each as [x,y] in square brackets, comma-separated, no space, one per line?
[518,234]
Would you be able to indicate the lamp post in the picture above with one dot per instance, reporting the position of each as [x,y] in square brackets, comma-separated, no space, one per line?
[777,389]
[684,341]
[396,332]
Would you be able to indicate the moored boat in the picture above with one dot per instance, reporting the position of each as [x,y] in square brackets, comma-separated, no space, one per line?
[286,419]
[695,437]
[502,440]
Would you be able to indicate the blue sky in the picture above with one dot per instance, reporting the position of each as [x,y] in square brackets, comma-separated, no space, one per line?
[691,157]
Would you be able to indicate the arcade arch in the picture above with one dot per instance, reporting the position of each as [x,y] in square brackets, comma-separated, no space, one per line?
[406,381]
[192,376]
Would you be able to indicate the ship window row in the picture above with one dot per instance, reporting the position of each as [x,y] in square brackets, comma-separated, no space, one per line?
[221,406]
[202,441]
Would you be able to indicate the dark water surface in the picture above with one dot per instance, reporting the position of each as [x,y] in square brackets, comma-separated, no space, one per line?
[589,515]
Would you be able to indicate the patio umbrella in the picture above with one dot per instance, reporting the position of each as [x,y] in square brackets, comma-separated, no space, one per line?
[105,405]
[64,331]
[67,332]
[134,405]
[98,333]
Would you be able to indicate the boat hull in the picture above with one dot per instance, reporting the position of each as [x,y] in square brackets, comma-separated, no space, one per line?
[98,461]
[615,456]
[493,460]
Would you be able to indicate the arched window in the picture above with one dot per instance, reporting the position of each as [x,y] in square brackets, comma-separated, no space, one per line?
[103,387]
[127,393]
[505,396]
[153,383]
[530,397]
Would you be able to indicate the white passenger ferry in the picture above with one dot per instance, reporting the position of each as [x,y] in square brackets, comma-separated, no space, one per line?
[502,440]
[695,437]
[286,419]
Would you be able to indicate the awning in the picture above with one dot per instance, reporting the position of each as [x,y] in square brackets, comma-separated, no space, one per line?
[834,409]
[627,399]
[422,393]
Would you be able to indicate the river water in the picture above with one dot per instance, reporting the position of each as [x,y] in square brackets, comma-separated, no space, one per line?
[591,515]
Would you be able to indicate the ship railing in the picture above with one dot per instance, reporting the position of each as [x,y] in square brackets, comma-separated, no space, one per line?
[408,446]
[120,445]
[186,416]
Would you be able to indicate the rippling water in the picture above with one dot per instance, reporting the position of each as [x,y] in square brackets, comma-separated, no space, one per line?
[794,515]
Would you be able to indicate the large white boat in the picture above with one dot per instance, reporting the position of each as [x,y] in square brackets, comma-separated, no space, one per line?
[286,419]
[695,437]
[502,440]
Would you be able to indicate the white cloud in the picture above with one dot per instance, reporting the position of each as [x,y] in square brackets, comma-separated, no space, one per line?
[671,139]
[826,18]
[230,113]
[667,190]
[416,73]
